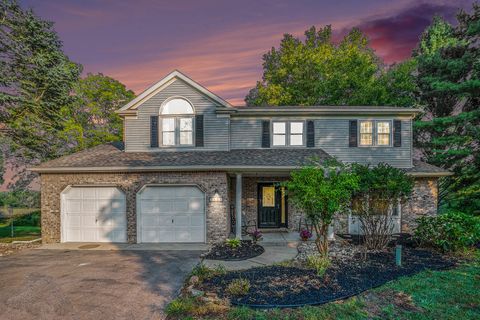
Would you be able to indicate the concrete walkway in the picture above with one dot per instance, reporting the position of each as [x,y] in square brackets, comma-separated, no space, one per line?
[273,254]
[98,246]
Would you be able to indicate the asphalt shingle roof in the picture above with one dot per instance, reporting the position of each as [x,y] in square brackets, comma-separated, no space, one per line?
[111,157]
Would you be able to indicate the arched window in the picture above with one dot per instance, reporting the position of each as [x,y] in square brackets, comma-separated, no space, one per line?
[177,106]
[177,123]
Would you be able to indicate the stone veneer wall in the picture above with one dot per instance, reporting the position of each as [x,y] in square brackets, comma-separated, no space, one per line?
[422,202]
[217,207]
[250,200]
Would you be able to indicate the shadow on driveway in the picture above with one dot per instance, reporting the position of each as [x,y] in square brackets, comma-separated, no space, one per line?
[81,284]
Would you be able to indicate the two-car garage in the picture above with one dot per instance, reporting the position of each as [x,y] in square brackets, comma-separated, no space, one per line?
[165,213]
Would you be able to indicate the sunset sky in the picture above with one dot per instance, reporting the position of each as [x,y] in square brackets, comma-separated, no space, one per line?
[220,43]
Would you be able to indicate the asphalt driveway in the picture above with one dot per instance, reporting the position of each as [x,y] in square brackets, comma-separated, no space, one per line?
[59,284]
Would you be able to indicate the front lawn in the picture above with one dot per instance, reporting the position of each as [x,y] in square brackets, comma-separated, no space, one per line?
[451,294]
[21,233]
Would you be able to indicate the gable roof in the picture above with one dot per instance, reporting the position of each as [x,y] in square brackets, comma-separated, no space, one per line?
[148,93]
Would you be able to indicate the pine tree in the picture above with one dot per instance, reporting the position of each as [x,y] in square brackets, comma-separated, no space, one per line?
[448,133]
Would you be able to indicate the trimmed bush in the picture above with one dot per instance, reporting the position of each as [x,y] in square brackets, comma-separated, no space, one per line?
[450,231]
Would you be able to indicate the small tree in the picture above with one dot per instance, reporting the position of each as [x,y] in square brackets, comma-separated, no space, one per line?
[321,191]
[380,188]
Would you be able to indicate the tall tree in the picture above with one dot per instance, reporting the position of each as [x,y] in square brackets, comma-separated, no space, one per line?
[91,119]
[318,71]
[448,132]
[36,79]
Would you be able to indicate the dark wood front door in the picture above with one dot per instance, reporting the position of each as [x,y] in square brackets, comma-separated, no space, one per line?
[272,206]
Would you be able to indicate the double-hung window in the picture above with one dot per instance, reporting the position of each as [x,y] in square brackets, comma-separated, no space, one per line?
[287,133]
[366,133]
[279,133]
[383,133]
[177,123]
[375,133]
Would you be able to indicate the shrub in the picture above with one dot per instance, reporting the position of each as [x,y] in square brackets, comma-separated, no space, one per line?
[318,262]
[380,189]
[450,231]
[233,243]
[180,306]
[31,219]
[238,287]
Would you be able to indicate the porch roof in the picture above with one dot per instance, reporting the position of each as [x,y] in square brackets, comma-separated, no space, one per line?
[112,158]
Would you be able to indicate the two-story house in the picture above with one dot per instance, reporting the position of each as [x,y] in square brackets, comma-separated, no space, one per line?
[190,162]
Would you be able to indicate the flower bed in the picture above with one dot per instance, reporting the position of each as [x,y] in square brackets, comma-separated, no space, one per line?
[224,251]
[282,286]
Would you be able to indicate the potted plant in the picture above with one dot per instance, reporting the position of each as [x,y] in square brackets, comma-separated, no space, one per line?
[305,234]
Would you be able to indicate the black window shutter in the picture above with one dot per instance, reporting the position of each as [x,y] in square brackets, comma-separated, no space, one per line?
[397,133]
[199,130]
[154,131]
[310,134]
[265,134]
[352,138]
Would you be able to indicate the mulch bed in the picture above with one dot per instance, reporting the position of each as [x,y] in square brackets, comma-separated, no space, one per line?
[222,251]
[277,286]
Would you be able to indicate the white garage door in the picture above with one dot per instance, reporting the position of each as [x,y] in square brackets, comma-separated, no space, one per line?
[93,214]
[171,214]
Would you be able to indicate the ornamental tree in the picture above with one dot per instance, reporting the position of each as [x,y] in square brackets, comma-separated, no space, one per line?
[321,191]
[379,190]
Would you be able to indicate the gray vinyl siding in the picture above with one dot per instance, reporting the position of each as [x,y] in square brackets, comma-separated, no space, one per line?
[246,133]
[331,135]
[216,129]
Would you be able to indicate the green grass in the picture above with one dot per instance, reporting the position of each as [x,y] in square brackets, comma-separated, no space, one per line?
[21,233]
[430,295]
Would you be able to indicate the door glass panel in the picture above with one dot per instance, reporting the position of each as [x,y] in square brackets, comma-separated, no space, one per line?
[268,196]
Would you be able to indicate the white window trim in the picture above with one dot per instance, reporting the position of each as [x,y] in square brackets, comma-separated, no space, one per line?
[287,134]
[176,118]
[177,131]
[374,137]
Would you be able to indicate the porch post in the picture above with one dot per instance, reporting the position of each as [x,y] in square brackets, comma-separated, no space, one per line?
[238,206]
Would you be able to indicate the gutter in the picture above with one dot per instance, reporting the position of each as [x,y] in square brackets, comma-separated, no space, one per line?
[317,111]
[162,168]
[430,174]
[268,169]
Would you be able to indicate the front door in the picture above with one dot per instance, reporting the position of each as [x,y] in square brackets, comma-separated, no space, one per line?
[272,206]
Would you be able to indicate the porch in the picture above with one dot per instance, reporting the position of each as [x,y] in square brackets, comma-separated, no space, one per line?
[259,201]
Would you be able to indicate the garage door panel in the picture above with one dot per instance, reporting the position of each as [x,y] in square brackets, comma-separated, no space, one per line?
[180,205]
[179,213]
[94,214]
[88,193]
[164,220]
[74,206]
[196,234]
[182,234]
[195,205]
[197,221]
[182,220]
